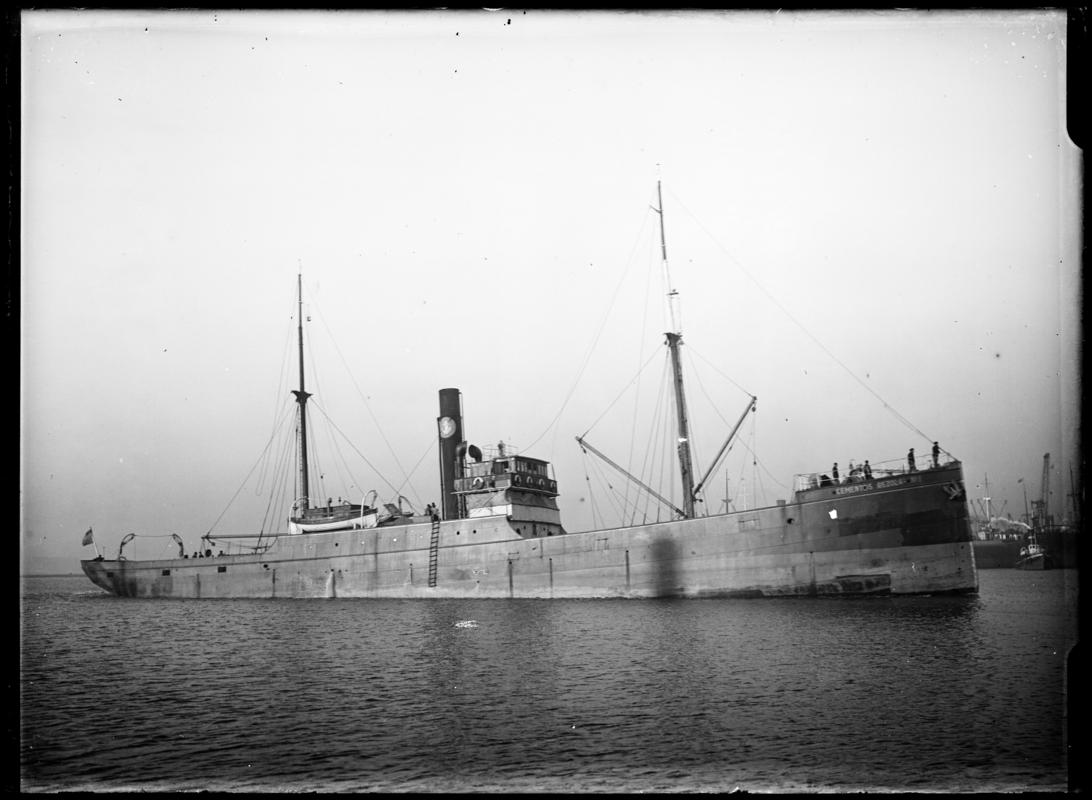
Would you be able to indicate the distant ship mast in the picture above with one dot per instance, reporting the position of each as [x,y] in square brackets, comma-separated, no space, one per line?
[301,398]
[674,339]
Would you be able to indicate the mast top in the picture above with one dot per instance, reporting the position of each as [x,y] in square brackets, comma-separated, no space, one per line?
[672,294]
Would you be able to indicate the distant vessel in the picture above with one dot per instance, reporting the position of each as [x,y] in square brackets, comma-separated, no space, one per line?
[498,533]
[1046,545]
[1034,556]
[997,539]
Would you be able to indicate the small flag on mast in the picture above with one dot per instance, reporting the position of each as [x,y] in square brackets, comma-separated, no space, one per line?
[88,538]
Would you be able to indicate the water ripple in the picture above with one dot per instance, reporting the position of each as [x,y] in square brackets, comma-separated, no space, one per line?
[610,696]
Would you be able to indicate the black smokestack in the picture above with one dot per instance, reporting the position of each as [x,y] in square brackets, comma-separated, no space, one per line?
[449,427]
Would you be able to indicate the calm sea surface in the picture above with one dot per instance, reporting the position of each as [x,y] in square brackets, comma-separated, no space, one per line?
[816,695]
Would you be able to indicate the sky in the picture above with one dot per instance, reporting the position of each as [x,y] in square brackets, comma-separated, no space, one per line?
[871,221]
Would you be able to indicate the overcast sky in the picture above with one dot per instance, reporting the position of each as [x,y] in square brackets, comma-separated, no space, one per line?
[871,222]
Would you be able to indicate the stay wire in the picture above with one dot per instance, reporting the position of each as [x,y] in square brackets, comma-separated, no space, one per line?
[640,355]
[590,491]
[363,397]
[243,484]
[282,477]
[619,396]
[800,325]
[428,450]
[595,339]
[611,493]
[355,448]
[281,392]
[694,352]
[651,446]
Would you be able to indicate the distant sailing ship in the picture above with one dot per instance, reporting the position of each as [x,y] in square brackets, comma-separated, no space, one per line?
[497,533]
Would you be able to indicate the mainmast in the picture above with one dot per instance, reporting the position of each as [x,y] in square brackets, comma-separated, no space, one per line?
[674,339]
[301,398]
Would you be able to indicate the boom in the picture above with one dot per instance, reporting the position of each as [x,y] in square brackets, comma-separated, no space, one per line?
[584,445]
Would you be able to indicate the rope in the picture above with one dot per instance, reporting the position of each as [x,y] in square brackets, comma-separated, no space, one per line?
[363,397]
[657,448]
[617,398]
[612,493]
[591,493]
[277,499]
[247,478]
[619,502]
[334,445]
[595,339]
[637,393]
[315,473]
[429,449]
[355,449]
[693,352]
[800,325]
[281,390]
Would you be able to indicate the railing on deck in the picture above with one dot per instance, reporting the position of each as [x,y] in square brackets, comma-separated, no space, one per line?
[857,474]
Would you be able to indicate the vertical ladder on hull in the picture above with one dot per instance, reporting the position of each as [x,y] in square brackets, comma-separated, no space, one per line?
[433,552]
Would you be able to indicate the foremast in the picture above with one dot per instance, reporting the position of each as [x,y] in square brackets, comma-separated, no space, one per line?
[674,340]
[301,400]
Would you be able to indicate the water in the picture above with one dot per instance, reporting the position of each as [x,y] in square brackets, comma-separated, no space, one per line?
[816,695]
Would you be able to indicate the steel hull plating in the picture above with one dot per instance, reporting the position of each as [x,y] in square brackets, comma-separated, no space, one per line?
[904,535]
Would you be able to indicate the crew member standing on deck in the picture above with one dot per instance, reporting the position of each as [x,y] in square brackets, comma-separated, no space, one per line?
[910,460]
[867,470]
[936,455]
[834,471]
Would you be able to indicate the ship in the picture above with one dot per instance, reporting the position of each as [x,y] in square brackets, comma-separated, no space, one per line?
[1034,557]
[997,538]
[497,532]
